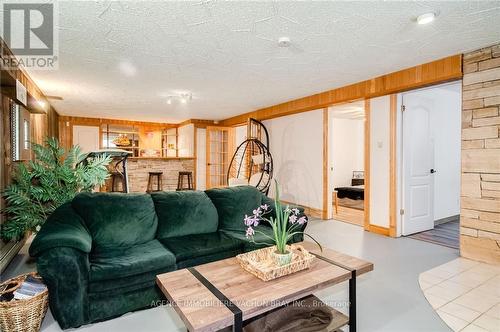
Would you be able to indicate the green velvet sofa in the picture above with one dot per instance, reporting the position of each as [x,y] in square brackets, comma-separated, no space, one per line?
[100,253]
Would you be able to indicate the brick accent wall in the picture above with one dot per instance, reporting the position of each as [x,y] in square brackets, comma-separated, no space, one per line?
[138,172]
[480,201]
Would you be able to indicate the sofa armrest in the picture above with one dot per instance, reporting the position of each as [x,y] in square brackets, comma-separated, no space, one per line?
[63,228]
[65,271]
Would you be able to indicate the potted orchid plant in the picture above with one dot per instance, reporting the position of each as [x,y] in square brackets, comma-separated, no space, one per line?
[286,223]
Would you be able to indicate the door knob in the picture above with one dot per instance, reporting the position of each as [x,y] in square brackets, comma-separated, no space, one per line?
[433,171]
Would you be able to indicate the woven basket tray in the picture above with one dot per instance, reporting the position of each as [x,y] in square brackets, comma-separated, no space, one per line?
[22,315]
[261,264]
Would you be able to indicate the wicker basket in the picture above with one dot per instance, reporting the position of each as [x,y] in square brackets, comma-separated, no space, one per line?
[261,264]
[22,315]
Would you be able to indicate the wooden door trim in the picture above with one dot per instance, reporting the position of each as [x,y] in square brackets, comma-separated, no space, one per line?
[393,166]
[326,188]
[195,155]
[230,149]
[367,165]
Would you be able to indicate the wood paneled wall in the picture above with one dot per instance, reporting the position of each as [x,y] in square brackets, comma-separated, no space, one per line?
[9,77]
[43,122]
[434,72]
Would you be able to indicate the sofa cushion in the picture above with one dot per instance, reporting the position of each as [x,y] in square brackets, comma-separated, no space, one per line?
[233,203]
[117,220]
[260,239]
[136,260]
[197,245]
[184,213]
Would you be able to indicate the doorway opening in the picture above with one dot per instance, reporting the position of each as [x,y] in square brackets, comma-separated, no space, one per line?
[347,151]
[430,165]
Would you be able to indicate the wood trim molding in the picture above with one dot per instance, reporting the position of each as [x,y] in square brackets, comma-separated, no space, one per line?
[379,230]
[367,165]
[438,71]
[392,165]
[324,214]
[309,211]
[198,123]
[77,120]
[195,156]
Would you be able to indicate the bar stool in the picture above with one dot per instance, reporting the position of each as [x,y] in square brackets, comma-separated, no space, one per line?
[117,177]
[159,183]
[180,181]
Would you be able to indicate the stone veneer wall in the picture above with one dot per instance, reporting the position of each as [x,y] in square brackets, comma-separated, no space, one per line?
[138,172]
[480,202]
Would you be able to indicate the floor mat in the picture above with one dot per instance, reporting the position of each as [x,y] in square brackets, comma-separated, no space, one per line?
[446,234]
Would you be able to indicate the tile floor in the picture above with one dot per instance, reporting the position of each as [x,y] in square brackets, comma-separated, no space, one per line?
[389,298]
[465,294]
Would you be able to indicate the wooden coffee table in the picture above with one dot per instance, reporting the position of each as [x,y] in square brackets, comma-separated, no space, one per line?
[216,295]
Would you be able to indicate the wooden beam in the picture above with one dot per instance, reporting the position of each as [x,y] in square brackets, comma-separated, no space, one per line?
[324,214]
[439,71]
[392,165]
[367,165]
[198,123]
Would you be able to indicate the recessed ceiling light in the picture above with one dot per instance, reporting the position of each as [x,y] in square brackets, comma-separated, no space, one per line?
[426,18]
[183,100]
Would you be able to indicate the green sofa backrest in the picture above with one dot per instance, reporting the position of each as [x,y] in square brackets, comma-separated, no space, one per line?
[184,213]
[117,220]
[233,203]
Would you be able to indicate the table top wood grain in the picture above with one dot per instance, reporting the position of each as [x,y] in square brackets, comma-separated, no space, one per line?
[202,311]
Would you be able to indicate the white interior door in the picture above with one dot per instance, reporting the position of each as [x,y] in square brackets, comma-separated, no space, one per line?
[418,165]
[87,137]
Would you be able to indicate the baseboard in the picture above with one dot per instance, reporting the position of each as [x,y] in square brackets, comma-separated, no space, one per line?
[9,251]
[379,230]
[447,219]
[309,211]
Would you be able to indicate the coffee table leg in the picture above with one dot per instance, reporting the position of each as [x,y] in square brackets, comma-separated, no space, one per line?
[352,302]
[238,322]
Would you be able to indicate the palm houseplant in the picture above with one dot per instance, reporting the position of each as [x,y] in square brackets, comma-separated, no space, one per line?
[285,223]
[41,185]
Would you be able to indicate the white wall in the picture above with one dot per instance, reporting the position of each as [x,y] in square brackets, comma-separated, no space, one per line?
[346,148]
[379,161]
[296,146]
[240,135]
[447,149]
[446,123]
[186,140]
[201,159]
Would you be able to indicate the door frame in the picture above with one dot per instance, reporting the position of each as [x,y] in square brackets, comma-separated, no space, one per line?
[393,228]
[327,212]
[230,149]
[399,134]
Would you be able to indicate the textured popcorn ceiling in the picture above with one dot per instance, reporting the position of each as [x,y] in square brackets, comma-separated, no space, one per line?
[120,59]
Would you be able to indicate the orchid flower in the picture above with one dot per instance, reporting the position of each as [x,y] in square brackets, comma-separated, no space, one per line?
[250,232]
[285,223]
